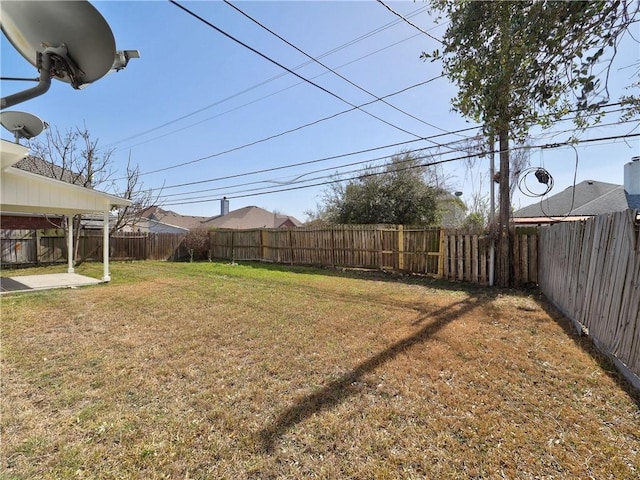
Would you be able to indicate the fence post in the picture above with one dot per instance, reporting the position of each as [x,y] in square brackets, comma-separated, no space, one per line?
[263,244]
[291,246]
[400,248]
[232,247]
[443,267]
[38,249]
[333,248]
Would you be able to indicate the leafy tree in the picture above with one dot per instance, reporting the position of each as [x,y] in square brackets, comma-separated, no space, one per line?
[400,194]
[520,63]
[75,157]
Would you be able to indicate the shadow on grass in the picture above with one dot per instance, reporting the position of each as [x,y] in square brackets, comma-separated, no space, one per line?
[372,274]
[585,343]
[339,390]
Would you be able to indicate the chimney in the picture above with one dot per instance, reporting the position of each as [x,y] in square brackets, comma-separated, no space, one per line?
[224,206]
[632,177]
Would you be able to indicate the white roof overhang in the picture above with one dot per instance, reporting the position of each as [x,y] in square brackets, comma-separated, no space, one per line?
[26,192]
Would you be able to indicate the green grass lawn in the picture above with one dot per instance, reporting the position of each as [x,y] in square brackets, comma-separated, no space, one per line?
[210,370]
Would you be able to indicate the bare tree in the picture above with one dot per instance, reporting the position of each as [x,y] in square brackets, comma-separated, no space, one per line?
[141,199]
[74,157]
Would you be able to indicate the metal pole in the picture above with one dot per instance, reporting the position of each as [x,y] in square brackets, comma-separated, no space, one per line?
[42,87]
[106,275]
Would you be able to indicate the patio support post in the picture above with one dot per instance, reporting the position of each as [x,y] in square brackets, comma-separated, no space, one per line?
[70,244]
[106,277]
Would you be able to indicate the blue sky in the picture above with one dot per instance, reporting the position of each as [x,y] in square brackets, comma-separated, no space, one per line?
[195,94]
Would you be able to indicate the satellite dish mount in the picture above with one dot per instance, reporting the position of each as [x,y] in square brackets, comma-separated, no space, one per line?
[69,41]
[44,63]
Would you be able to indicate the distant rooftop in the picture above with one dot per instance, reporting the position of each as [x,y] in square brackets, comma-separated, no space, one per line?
[589,198]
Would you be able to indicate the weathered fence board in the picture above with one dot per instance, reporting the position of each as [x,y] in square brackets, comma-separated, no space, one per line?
[24,247]
[591,271]
[432,251]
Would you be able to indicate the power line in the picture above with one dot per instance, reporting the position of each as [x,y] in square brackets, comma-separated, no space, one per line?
[407,21]
[248,103]
[456,132]
[295,129]
[313,59]
[269,59]
[308,162]
[316,184]
[266,96]
[422,165]
[333,167]
[280,75]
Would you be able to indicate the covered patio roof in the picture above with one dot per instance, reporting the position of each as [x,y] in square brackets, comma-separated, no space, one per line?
[26,192]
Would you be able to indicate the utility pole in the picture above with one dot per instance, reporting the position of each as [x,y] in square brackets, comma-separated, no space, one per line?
[492,207]
[504,250]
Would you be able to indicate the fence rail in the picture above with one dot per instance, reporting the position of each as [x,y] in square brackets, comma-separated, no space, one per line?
[431,251]
[379,247]
[591,271]
[39,247]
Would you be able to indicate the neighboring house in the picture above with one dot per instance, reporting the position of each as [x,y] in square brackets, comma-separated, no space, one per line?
[587,199]
[451,209]
[252,217]
[156,220]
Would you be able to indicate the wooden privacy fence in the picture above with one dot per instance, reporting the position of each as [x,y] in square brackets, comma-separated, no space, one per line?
[432,251]
[466,257]
[24,247]
[591,271]
[384,247]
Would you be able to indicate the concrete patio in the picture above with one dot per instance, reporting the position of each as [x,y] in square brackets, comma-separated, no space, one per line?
[29,283]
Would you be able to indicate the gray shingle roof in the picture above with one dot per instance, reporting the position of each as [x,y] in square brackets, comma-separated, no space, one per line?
[252,217]
[172,218]
[590,198]
[47,169]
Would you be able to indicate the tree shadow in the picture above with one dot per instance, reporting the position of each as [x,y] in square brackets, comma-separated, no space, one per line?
[340,389]
[426,280]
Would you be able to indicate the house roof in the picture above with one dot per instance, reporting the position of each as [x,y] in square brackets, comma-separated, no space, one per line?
[252,217]
[174,219]
[586,199]
[47,169]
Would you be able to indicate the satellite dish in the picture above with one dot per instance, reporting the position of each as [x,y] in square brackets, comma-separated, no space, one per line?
[67,40]
[22,124]
[74,34]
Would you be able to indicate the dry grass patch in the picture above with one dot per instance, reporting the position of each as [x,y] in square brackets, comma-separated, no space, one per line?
[218,371]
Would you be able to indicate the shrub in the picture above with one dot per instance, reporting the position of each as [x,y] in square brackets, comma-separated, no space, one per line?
[197,243]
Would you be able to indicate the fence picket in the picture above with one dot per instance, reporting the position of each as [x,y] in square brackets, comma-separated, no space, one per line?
[591,271]
[432,251]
